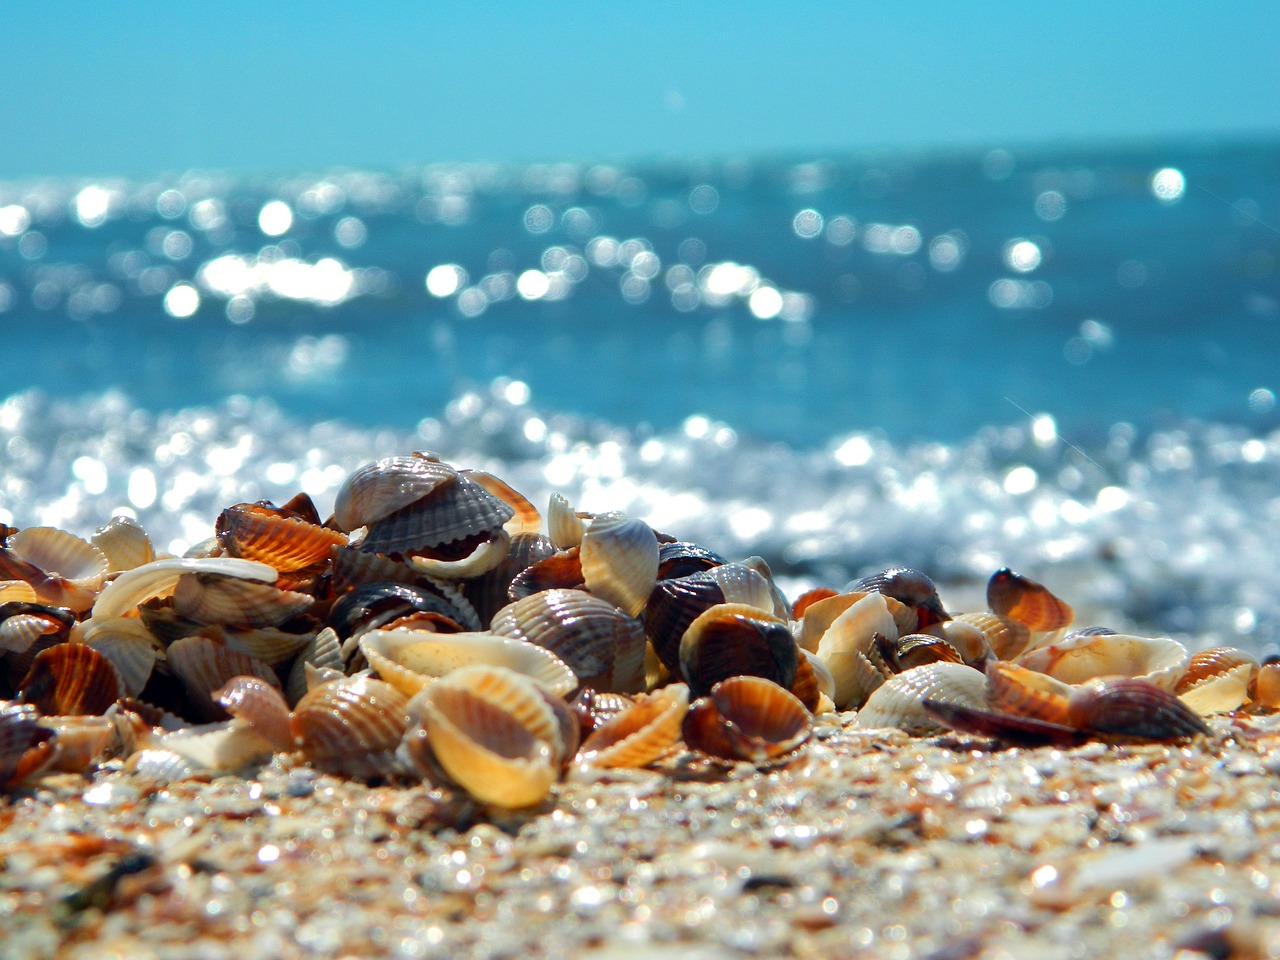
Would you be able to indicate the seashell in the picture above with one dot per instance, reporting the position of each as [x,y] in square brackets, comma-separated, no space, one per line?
[602,645]
[258,704]
[639,735]
[352,727]
[75,566]
[205,665]
[680,559]
[323,651]
[808,599]
[460,512]
[496,733]
[1008,727]
[410,659]
[71,679]
[525,520]
[731,639]
[26,748]
[781,608]
[83,742]
[132,649]
[351,568]
[257,531]
[1076,659]
[124,543]
[379,489]
[158,579]
[1217,680]
[747,718]
[486,555]
[372,605]
[564,527]
[490,592]
[849,637]
[162,766]
[897,703]
[1006,638]
[967,639]
[560,570]
[821,614]
[20,630]
[813,680]
[911,587]
[1026,693]
[17,591]
[269,645]
[1030,603]
[233,602]
[1134,708]
[619,560]
[1266,688]
[209,748]
[913,650]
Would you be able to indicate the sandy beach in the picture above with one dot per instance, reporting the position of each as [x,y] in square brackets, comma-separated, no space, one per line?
[865,843]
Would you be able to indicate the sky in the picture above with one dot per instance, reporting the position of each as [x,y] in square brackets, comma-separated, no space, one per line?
[150,87]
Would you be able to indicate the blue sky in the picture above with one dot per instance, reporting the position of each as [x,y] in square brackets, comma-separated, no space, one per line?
[144,87]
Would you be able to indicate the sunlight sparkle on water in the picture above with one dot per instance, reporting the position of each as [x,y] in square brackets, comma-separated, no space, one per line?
[275,218]
[1168,185]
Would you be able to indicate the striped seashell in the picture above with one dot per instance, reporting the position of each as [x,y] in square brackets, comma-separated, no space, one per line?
[640,734]
[1158,660]
[1026,601]
[1007,638]
[525,520]
[1217,680]
[124,543]
[158,579]
[967,639]
[410,659]
[214,747]
[731,639]
[269,645]
[1026,693]
[564,526]
[258,704]
[374,605]
[352,568]
[497,734]
[602,645]
[19,631]
[821,614]
[913,650]
[490,592]
[455,512]
[71,679]
[620,561]
[747,718]
[323,651]
[813,681]
[897,703]
[352,727]
[62,555]
[205,665]
[679,558]
[162,766]
[379,489]
[913,588]
[255,531]
[213,598]
[128,644]
[848,638]
[17,591]
[1131,707]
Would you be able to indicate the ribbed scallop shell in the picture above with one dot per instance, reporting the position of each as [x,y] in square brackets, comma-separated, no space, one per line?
[913,650]
[1159,660]
[897,702]
[1007,638]
[1132,707]
[269,645]
[1026,601]
[967,639]
[260,705]
[1026,693]
[60,553]
[204,665]
[821,614]
[352,568]
[379,489]
[600,643]
[910,586]
[639,735]
[486,555]
[490,592]
[731,639]
[71,679]
[1217,680]
[848,637]
[747,718]
[158,578]
[352,727]
[456,511]
[213,598]
[19,631]
[128,644]
[495,733]
[410,659]
[526,519]
[254,532]
[323,651]
[17,591]
[564,526]
[124,543]
[619,559]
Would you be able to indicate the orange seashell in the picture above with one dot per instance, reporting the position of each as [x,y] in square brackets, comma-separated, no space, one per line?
[1026,693]
[352,727]
[639,735]
[254,701]
[1026,601]
[1207,664]
[806,599]
[71,679]
[1133,708]
[255,531]
[747,718]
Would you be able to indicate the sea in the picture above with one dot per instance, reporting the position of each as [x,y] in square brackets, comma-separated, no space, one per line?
[1060,358]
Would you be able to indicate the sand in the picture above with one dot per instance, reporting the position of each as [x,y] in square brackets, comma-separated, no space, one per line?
[866,843]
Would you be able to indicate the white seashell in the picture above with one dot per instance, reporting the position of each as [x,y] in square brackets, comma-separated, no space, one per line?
[230,745]
[20,631]
[620,561]
[124,543]
[564,527]
[162,765]
[235,602]
[17,591]
[259,705]
[741,583]
[128,644]
[897,702]
[410,659]
[59,553]
[324,650]
[158,579]
[1222,693]
[482,559]
[1158,660]
[849,637]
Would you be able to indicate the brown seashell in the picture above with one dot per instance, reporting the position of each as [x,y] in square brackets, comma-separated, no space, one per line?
[560,570]
[911,587]
[1217,680]
[1133,708]
[20,630]
[83,742]
[255,531]
[379,489]
[913,650]
[600,643]
[1007,638]
[680,559]
[18,591]
[71,679]
[352,727]
[1026,693]
[1026,601]
[812,681]
[747,718]
[1010,728]
[211,598]
[967,639]
[640,734]
[729,640]
[1266,687]
[526,520]
[459,511]
[260,705]
[76,565]
[205,665]
[26,748]
[490,592]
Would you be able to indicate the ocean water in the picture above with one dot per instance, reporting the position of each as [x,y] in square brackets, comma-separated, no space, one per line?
[1059,359]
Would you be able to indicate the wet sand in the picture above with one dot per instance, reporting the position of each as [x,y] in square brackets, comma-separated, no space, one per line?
[867,843]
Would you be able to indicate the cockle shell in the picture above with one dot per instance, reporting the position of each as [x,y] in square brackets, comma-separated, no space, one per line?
[640,734]
[564,526]
[204,665]
[379,489]
[213,598]
[486,555]
[619,558]
[457,512]
[1026,601]
[1007,638]
[352,727]
[71,679]
[600,643]
[75,565]
[128,644]
[1217,680]
[257,703]
[323,652]
[897,703]
[813,681]
[848,638]
[680,559]
[821,614]
[907,585]
[496,733]
[254,531]
[22,626]
[1159,660]
[124,543]
[526,518]
[410,659]
[17,591]
[730,639]
[158,579]
[1132,707]
[1027,693]
[747,718]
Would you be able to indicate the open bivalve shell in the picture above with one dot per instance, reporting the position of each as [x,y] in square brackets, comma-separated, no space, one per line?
[159,578]
[352,726]
[897,703]
[640,734]
[747,718]
[1076,659]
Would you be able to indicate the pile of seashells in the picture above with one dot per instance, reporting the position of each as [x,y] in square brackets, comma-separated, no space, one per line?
[431,629]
